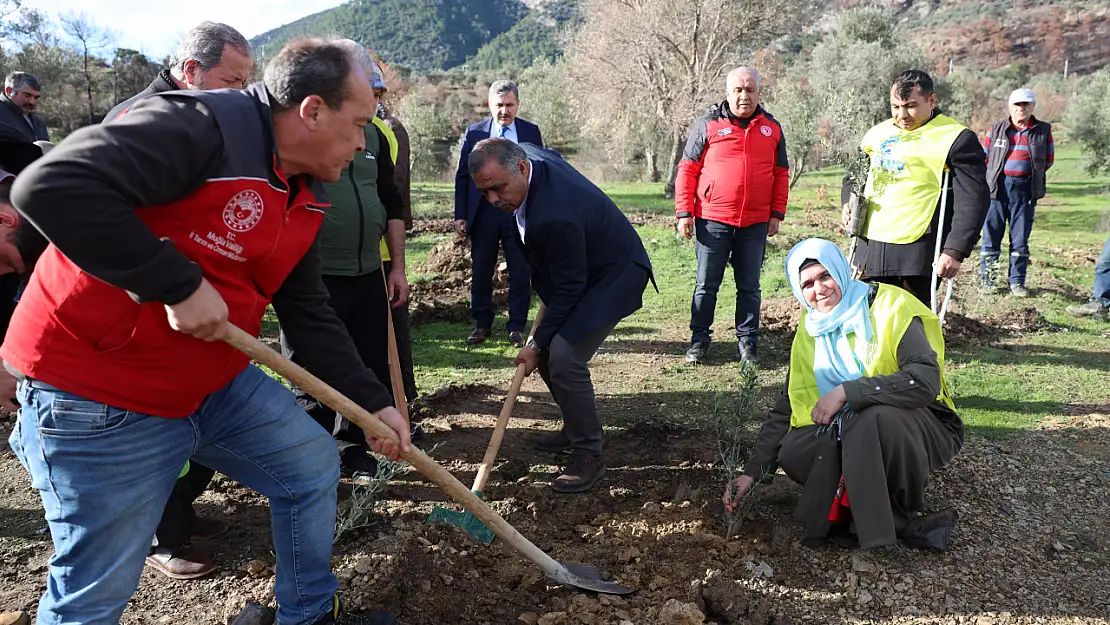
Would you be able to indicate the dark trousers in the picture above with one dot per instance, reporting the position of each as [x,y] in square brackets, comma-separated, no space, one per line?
[176,526]
[716,246]
[360,303]
[492,230]
[1014,206]
[403,330]
[564,367]
[919,286]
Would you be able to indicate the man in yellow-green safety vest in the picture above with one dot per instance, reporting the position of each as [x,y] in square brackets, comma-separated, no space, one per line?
[911,155]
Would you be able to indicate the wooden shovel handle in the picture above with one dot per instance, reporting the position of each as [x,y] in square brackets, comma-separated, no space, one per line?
[396,382]
[498,433]
[488,460]
[455,489]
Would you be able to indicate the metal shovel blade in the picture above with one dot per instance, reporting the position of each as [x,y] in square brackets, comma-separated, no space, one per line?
[589,578]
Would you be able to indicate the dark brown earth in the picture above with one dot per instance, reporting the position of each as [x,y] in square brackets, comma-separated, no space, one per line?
[1032,546]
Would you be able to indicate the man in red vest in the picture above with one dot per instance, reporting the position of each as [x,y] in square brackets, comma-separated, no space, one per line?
[192,210]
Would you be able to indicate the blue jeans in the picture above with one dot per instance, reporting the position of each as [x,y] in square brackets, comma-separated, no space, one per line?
[104,475]
[1015,205]
[491,231]
[716,246]
[1101,290]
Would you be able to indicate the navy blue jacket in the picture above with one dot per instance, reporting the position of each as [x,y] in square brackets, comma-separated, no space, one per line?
[589,266]
[467,198]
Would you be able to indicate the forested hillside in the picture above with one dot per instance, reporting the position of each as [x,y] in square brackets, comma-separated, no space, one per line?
[423,35]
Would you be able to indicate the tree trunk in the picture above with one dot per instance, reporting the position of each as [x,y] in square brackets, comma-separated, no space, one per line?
[672,164]
[797,170]
[88,87]
[651,164]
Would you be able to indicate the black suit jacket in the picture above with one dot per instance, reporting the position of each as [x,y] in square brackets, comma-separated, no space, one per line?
[467,198]
[589,266]
[12,115]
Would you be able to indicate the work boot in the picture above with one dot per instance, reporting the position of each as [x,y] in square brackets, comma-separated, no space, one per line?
[478,336]
[1094,310]
[357,465]
[184,562]
[516,339]
[254,613]
[697,352]
[746,352]
[582,472]
[15,618]
[553,442]
[1019,290]
[207,529]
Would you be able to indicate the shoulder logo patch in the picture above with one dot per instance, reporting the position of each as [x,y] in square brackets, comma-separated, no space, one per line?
[244,211]
[766,130]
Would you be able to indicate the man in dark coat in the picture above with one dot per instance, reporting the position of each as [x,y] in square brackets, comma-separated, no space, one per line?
[589,269]
[489,229]
[22,92]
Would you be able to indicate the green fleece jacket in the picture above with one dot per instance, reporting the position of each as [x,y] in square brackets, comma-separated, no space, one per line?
[363,200]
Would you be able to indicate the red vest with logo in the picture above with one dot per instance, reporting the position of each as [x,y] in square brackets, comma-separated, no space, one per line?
[246,226]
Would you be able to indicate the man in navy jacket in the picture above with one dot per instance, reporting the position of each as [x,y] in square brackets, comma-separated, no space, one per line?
[589,269]
[489,228]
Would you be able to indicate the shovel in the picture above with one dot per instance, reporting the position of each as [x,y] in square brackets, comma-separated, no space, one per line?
[473,526]
[580,575]
[466,520]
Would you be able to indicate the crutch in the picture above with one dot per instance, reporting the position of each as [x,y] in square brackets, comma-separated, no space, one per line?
[936,255]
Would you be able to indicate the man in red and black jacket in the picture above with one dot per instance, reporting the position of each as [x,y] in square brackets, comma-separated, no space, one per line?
[192,210]
[731,191]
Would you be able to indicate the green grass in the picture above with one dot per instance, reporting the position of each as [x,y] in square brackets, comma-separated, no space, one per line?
[1006,388]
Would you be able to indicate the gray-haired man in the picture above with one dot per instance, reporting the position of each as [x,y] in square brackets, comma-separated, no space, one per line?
[20,99]
[212,56]
[489,228]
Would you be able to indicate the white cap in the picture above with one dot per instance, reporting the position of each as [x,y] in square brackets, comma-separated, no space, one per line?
[1023,95]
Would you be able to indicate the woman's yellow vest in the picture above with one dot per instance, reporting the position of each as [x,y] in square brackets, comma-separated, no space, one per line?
[891,314]
[903,183]
[391,139]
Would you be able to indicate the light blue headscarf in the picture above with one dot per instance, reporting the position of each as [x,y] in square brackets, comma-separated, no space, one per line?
[834,359]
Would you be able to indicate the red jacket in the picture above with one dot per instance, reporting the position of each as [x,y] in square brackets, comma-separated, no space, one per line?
[232,217]
[733,174]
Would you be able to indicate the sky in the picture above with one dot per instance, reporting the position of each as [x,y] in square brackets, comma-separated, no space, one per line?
[155,27]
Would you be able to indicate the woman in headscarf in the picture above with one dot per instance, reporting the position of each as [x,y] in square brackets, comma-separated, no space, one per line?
[865,416]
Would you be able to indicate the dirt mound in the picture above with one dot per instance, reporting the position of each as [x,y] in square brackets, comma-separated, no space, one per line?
[984,331]
[432,226]
[1026,320]
[446,297]
[963,330]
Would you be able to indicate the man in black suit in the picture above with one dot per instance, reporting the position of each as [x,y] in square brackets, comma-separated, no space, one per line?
[490,229]
[589,268]
[18,103]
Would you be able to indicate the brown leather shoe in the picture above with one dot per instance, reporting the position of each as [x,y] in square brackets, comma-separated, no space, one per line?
[184,562]
[478,336]
[207,529]
[582,472]
[15,618]
[516,339]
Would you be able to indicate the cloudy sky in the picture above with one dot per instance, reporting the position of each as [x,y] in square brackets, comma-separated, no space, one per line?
[155,26]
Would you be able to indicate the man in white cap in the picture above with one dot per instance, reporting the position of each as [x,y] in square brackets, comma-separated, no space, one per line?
[1019,153]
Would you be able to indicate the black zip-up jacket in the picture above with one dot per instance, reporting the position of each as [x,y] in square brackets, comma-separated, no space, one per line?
[161,84]
[109,174]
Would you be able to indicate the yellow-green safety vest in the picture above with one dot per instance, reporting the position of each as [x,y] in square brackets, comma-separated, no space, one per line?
[891,314]
[904,180]
[390,138]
